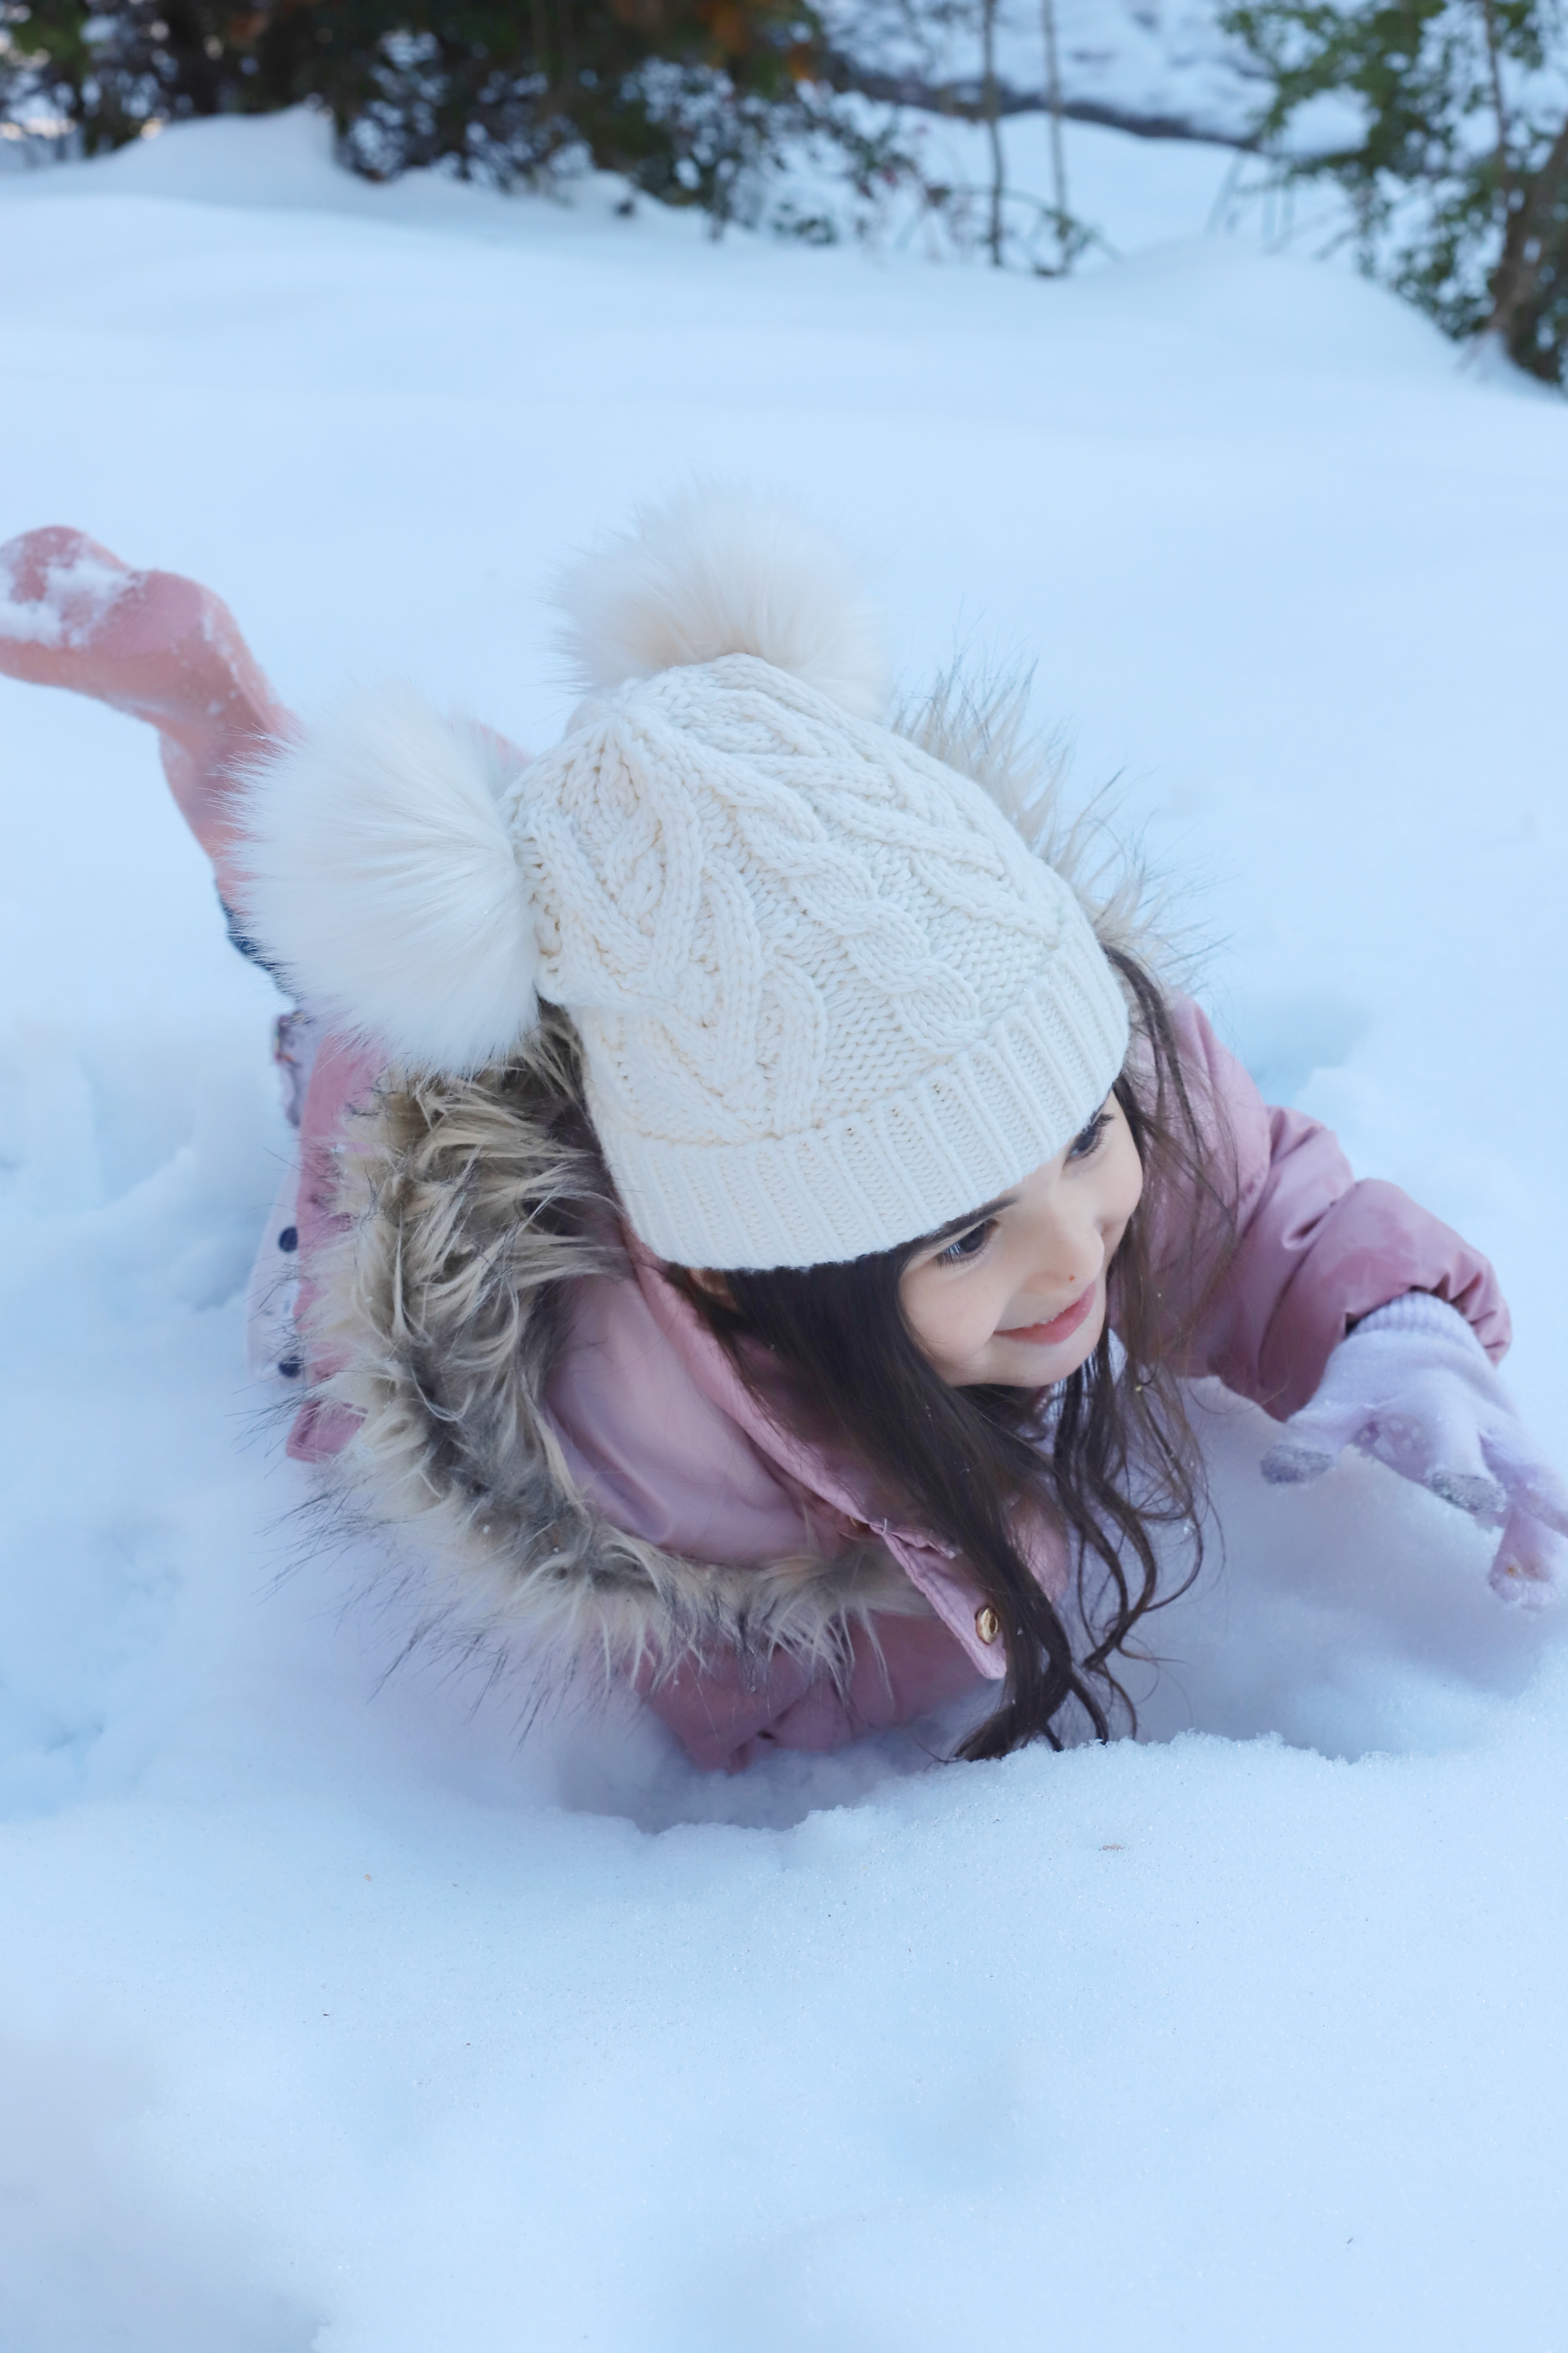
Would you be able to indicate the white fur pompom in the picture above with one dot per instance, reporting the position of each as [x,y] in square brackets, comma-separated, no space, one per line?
[720,572]
[382,879]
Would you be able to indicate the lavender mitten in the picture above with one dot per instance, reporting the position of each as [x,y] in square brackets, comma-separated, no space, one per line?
[1412,1386]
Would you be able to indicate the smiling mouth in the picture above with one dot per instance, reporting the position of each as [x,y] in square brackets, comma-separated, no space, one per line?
[1060,1328]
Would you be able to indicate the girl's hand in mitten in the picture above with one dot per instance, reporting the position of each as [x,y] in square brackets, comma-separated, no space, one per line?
[158,647]
[1412,1386]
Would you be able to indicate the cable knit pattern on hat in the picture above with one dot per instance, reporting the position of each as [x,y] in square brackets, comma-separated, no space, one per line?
[828,999]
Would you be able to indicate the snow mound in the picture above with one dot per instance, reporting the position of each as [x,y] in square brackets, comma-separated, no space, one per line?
[335,2014]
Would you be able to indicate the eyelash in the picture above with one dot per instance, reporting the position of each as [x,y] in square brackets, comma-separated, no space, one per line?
[1086,1142]
[955,1254]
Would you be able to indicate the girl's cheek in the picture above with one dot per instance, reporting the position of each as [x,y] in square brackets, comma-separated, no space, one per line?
[952,1330]
[962,1339]
[1123,1191]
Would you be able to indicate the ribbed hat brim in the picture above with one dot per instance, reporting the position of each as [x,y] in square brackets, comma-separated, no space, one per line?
[967,1131]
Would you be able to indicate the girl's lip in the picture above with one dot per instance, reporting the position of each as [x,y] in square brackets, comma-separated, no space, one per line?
[1060,1328]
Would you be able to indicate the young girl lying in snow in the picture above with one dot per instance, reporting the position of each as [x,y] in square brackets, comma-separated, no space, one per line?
[754,1215]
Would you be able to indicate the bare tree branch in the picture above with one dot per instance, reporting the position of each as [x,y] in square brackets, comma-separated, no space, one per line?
[993,126]
[1054,110]
[1508,185]
[966,102]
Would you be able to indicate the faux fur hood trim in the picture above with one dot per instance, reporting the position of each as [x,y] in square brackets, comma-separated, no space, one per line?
[473,1205]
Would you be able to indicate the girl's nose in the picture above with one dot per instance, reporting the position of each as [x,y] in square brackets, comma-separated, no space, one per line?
[1069,1254]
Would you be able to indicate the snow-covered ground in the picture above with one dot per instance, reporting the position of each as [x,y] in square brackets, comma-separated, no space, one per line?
[330,2016]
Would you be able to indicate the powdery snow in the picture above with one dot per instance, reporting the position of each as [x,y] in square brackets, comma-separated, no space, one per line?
[76,596]
[334,2016]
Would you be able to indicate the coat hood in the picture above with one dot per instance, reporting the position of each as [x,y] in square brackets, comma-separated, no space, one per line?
[471,1216]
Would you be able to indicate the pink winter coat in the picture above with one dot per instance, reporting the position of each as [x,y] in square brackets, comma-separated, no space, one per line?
[664,1440]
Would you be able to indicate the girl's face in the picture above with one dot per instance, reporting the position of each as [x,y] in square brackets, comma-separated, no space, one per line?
[1015,1294]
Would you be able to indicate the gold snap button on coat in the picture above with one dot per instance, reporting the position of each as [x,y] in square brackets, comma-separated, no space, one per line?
[987,1625]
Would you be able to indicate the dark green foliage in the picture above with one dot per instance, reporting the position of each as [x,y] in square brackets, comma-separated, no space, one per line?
[685,96]
[1454,152]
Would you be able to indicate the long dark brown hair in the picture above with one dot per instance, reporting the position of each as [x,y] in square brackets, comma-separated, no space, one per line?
[1108,1454]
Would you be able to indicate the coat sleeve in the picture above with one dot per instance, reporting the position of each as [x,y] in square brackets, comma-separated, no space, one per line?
[726,1714]
[1307,1251]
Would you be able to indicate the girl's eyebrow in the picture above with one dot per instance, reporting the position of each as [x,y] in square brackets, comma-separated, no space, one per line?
[962,1225]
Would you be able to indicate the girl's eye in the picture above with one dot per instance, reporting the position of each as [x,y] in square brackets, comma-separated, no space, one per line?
[1084,1142]
[966,1246]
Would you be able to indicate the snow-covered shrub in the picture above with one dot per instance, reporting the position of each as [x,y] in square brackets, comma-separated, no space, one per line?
[1445,123]
[688,97]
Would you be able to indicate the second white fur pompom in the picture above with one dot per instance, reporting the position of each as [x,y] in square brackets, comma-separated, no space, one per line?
[722,572]
[383,881]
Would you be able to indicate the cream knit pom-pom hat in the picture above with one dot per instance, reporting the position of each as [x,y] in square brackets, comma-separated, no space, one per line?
[828,1000]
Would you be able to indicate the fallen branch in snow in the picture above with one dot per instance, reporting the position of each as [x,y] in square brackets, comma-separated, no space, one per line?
[967,102]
